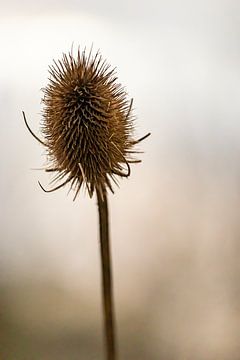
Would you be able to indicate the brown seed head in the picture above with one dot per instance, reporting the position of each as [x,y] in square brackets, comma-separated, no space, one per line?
[87,123]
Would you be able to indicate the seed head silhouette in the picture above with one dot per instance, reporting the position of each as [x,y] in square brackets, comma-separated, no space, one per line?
[87,124]
[88,133]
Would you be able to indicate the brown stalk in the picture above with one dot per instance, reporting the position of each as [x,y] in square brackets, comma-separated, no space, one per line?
[107,287]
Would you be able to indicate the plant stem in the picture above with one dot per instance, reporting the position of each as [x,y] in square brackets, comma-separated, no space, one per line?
[107,292]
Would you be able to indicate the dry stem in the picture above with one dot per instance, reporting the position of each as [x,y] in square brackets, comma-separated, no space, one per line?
[107,292]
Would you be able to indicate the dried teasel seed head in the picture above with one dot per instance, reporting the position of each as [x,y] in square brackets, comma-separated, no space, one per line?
[87,123]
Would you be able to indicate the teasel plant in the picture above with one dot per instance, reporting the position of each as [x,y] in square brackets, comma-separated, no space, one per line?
[87,127]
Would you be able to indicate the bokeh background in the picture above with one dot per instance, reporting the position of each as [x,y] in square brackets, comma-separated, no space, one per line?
[174,224]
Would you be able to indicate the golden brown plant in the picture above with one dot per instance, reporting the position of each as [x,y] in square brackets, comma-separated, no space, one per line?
[87,123]
[88,133]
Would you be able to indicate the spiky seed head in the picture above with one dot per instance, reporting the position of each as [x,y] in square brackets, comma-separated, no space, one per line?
[87,122]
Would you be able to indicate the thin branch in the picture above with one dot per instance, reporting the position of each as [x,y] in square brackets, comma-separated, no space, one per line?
[107,291]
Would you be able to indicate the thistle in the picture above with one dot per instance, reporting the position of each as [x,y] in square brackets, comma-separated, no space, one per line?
[88,133]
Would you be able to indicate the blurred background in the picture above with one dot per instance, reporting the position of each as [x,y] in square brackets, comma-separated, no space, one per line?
[174,223]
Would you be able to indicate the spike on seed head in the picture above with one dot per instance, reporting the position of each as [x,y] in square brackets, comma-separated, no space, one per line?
[87,123]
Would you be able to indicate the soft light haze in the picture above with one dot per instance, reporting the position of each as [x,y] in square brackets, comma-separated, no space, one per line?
[174,222]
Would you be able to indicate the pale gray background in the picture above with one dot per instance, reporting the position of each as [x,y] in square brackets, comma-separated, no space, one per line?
[174,223]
